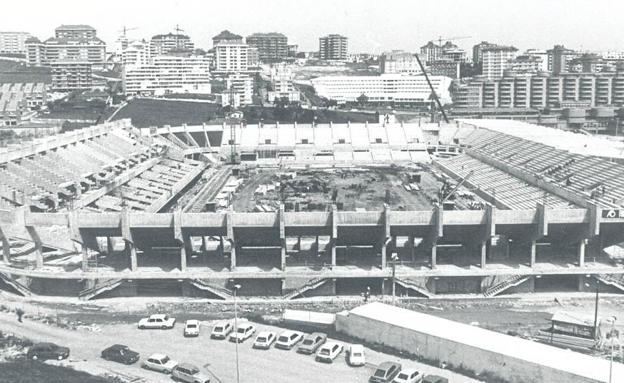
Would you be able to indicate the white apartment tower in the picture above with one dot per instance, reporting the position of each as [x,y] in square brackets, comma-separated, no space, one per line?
[13,42]
[496,59]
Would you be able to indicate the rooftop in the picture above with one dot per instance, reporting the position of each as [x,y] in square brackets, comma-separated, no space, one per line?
[170,35]
[536,353]
[269,34]
[73,27]
[490,48]
[227,35]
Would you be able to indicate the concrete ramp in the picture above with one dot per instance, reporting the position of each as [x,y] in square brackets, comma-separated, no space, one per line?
[99,289]
[414,286]
[612,280]
[220,292]
[310,285]
[508,283]
[15,285]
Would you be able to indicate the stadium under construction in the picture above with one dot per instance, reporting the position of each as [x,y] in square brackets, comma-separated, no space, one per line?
[472,207]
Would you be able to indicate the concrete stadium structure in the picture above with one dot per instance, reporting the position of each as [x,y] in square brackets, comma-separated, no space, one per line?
[538,233]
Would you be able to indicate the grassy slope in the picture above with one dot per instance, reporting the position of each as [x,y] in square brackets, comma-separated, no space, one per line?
[35,372]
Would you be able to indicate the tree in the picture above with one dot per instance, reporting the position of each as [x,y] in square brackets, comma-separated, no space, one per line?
[331,103]
[362,100]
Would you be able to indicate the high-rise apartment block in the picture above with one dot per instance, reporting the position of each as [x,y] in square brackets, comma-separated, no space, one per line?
[333,47]
[477,51]
[399,62]
[71,43]
[231,54]
[170,43]
[13,42]
[70,75]
[497,59]
[272,47]
[430,52]
[542,91]
[559,59]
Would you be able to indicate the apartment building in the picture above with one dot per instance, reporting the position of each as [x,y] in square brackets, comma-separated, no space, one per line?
[70,75]
[168,74]
[170,42]
[136,53]
[71,43]
[282,84]
[399,62]
[559,58]
[231,54]
[497,59]
[384,88]
[239,90]
[431,52]
[13,42]
[477,51]
[334,47]
[542,91]
[272,47]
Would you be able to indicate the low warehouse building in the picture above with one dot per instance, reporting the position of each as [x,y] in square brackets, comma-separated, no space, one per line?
[485,352]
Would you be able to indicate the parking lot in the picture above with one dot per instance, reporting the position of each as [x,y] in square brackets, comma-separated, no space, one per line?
[217,357]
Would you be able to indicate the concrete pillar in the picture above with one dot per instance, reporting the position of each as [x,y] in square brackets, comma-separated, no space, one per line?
[531,283]
[233,256]
[132,254]
[316,246]
[38,246]
[387,237]
[581,283]
[282,228]
[334,235]
[6,247]
[333,252]
[185,250]
[533,253]
[410,243]
[384,250]
[110,248]
[484,245]
[85,258]
[434,255]
[231,239]
[299,242]
[383,286]
[581,252]
[204,247]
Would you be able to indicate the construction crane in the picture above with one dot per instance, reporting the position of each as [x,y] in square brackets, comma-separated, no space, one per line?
[433,92]
[177,30]
[232,120]
[455,38]
[125,30]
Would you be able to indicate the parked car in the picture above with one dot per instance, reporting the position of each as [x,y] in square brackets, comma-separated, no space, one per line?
[288,339]
[434,379]
[221,330]
[189,373]
[244,331]
[157,321]
[191,327]
[120,353]
[264,340]
[46,350]
[328,352]
[355,355]
[312,342]
[160,362]
[409,375]
[385,372]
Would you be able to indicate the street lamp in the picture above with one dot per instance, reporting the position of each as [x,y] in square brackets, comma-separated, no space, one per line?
[236,287]
[612,335]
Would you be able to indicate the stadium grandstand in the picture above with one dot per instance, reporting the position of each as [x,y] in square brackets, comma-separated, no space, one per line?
[113,210]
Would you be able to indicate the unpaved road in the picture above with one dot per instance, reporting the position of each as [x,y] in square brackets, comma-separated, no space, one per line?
[214,356]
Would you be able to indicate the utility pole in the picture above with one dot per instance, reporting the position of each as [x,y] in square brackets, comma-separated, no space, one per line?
[394,258]
[236,287]
[596,310]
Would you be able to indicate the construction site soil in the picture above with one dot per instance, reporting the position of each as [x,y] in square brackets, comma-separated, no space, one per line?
[350,188]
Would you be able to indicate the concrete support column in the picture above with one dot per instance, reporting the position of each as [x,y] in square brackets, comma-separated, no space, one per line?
[231,239]
[531,283]
[299,243]
[185,250]
[316,246]
[533,253]
[233,256]
[484,245]
[204,247]
[132,254]
[386,239]
[221,246]
[6,247]
[434,255]
[334,235]
[110,248]
[85,258]
[384,251]
[282,228]
[410,243]
[38,246]
[581,252]
[333,252]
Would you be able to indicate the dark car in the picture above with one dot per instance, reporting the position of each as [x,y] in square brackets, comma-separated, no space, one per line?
[311,343]
[120,353]
[385,372]
[44,351]
[434,379]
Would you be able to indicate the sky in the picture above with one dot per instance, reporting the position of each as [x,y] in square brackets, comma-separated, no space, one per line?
[372,26]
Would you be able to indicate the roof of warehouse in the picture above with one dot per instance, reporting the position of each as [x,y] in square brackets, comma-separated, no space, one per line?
[514,347]
[561,139]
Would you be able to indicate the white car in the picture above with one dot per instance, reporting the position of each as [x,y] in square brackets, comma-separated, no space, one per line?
[288,339]
[189,373]
[328,352]
[264,340]
[160,362]
[157,321]
[355,355]
[409,375]
[244,331]
[191,327]
[221,330]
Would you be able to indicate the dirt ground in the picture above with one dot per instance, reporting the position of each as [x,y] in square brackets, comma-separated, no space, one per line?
[353,188]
